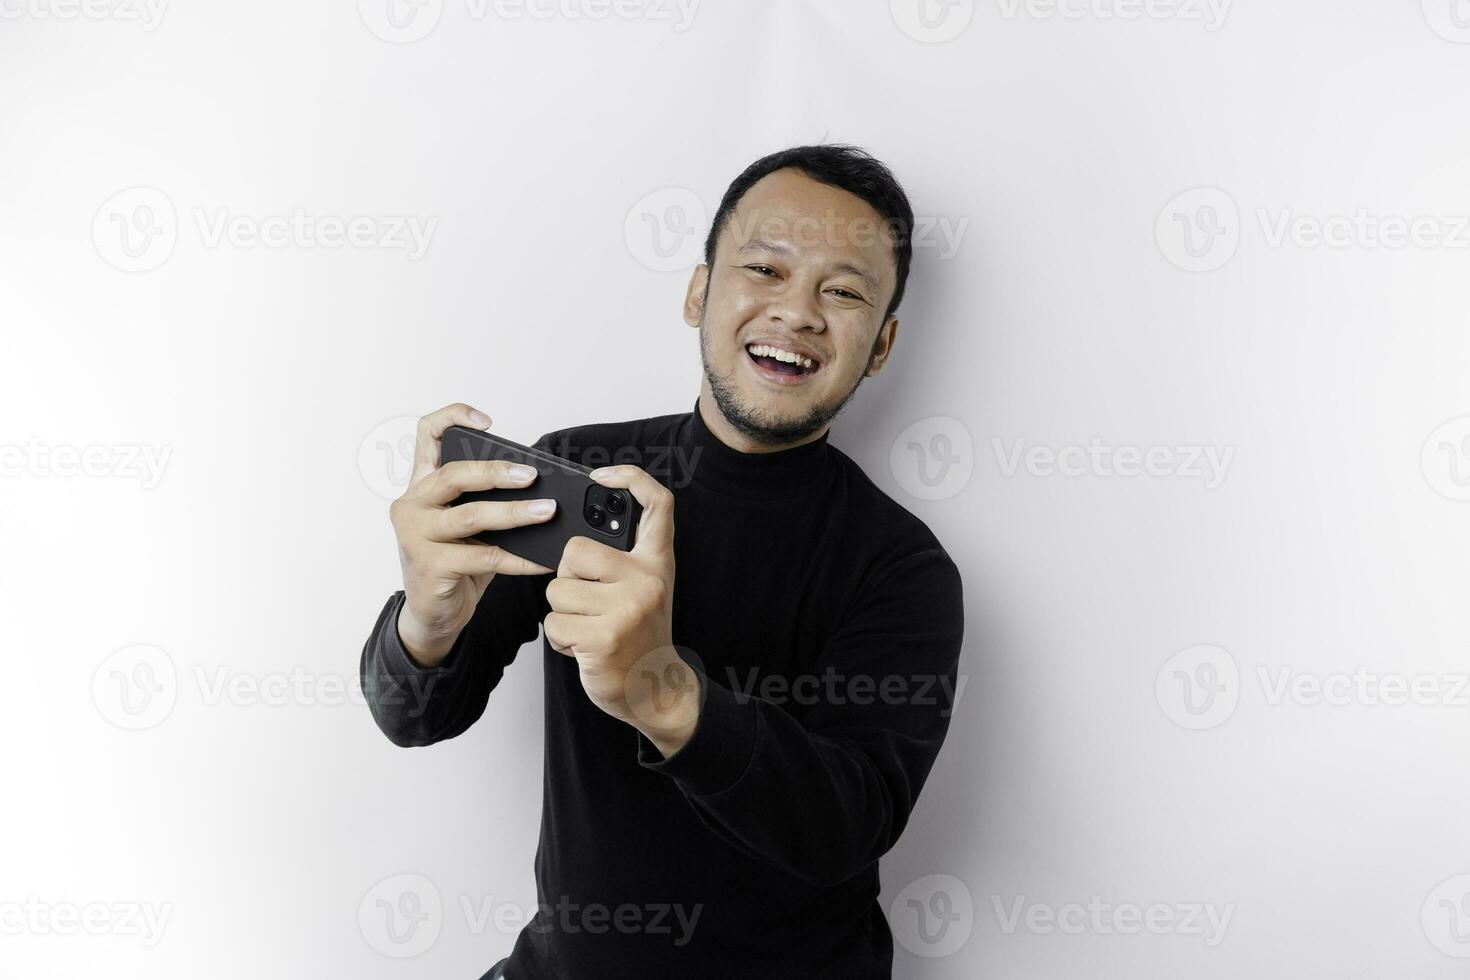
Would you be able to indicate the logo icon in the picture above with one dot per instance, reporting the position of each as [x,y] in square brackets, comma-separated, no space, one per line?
[1446,917]
[934,458]
[1198,687]
[1450,19]
[385,458]
[135,230]
[665,230]
[401,916]
[1199,230]
[1445,459]
[135,687]
[932,21]
[401,21]
[933,916]
[659,683]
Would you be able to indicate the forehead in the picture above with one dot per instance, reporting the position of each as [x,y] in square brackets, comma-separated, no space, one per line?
[812,219]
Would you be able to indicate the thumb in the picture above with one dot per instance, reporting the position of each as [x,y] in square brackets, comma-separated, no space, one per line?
[656,525]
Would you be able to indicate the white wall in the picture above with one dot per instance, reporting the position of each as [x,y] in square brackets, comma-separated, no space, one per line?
[1330,537]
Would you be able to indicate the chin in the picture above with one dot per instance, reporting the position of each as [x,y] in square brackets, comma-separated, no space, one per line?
[772,416]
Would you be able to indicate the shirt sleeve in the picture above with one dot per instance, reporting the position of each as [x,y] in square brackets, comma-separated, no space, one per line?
[416,705]
[824,795]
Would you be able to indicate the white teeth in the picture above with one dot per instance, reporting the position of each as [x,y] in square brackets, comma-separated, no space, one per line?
[764,350]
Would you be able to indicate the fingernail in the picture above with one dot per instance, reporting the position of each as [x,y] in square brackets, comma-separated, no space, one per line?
[522,472]
[598,473]
[479,418]
[542,507]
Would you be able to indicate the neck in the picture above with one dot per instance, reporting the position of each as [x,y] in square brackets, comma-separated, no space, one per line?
[716,460]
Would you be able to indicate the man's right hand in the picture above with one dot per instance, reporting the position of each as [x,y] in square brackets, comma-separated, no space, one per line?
[444,576]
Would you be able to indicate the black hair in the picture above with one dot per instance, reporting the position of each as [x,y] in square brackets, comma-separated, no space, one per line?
[849,167]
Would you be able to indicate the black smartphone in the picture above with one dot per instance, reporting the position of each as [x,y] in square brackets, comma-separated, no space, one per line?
[583,506]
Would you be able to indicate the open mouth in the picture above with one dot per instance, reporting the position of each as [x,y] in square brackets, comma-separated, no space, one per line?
[782,366]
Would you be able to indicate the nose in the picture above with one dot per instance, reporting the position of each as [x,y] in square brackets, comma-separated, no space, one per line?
[796,307]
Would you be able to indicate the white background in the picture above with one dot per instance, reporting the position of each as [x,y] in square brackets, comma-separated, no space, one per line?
[279,382]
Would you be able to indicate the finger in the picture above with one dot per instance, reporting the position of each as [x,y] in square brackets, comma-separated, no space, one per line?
[431,429]
[577,597]
[481,559]
[464,520]
[583,558]
[463,475]
[656,525]
[567,630]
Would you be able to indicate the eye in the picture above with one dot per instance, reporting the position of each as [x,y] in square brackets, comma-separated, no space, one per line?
[762,269]
[848,294]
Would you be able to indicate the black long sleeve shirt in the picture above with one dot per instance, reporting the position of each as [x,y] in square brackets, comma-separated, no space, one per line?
[825,622]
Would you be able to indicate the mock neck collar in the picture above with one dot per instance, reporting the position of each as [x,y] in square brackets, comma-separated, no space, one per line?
[776,475]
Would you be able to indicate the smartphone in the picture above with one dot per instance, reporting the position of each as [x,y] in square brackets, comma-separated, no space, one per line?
[583,506]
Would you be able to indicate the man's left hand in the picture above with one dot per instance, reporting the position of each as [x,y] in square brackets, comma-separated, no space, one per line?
[613,611]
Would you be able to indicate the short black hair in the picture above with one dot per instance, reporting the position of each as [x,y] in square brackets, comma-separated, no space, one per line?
[841,165]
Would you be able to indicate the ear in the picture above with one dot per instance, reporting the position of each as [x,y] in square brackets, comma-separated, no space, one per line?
[883,346]
[694,296]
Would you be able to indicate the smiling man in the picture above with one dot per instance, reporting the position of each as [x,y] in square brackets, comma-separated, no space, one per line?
[742,710]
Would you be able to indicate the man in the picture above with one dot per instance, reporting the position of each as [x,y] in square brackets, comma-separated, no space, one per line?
[729,749]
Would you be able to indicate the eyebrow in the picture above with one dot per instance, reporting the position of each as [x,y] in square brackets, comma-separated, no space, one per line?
[781,248]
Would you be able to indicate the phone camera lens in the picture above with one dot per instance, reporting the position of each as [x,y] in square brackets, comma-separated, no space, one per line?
[594,515]
[614,503]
